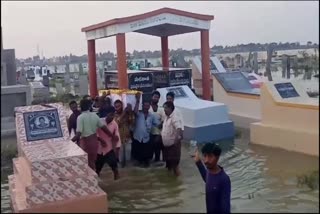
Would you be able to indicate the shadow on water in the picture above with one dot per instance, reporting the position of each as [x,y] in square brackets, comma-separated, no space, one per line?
[263,180]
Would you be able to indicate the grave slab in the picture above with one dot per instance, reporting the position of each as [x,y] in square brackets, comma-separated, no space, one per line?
[204,120]
[51,173]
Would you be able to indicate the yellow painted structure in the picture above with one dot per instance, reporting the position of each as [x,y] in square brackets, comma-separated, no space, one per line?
[291,124]
[244,109]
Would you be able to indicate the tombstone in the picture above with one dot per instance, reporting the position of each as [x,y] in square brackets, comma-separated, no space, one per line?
[39,91]
[99,81]
[234,90]
[76,89]
[4,80]
[67,89]
[23,77]
[66,78]
[47,158]
[290,118]
[46,81]
[59,88]
[295,66]
[194,111]
[10,61]
[284,65]
[12,95]
[288,67]
[83,85]
[255,62]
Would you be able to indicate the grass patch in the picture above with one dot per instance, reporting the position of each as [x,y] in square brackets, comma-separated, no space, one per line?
[311,180]
[64,98]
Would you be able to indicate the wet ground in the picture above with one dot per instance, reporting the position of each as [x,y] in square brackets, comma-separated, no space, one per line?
[263,180]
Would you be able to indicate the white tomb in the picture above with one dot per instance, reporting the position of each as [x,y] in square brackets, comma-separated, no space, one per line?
[203,120]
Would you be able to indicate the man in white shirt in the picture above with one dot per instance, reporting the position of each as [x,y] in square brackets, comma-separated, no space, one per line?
[159,114]
[170,98]
[172,134]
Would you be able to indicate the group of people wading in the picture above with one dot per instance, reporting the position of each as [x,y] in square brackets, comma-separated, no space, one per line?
[115,133]
[112,133]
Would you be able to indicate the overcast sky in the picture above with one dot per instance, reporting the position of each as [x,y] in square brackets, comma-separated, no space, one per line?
[56,26]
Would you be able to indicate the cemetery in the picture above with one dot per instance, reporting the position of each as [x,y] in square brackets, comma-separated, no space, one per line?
[51,173]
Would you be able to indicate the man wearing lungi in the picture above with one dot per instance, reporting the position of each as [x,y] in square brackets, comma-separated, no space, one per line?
[171,137]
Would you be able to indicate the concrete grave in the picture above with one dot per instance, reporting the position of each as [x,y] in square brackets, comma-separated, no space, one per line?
[39,91]
[23,77]
[289,118]
[9,59]
[59,88]
[11,97]
[99,81]
[83,85]
[51,173]
[203,120]
[3,74]
[243,101]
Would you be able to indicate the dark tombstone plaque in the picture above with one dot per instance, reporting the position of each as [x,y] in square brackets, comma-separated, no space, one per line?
[45,81]
[180,77]
[178,92]
[286,90]
[160,79]
[141,82]
[233,81]
[41,125]
[111,80]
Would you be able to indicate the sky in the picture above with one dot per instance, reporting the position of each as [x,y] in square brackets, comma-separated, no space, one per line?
[55,26]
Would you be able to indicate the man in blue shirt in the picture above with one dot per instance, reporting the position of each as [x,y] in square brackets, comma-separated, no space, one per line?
[141,136]
[218,185]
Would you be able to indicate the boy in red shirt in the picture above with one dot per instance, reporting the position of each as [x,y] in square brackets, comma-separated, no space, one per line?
[106,153]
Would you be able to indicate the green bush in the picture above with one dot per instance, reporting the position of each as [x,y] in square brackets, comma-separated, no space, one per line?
[64,98]
[310,180]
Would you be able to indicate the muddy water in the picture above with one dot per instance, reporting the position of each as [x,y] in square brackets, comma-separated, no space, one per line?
[263,180]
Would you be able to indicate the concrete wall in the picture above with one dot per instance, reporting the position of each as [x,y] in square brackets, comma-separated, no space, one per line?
[9,58]
[243,109]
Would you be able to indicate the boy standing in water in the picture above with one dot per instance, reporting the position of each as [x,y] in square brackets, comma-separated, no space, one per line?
[106,154]
[218,185]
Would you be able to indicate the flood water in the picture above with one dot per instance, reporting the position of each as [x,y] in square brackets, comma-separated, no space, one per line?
[263,180]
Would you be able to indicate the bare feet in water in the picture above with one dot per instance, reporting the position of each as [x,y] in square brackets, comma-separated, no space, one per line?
[116,175]
[177,172]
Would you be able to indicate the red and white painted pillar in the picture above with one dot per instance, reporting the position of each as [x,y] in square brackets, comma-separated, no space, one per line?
[205,58]
[92,68]
[122,61]
[165,51]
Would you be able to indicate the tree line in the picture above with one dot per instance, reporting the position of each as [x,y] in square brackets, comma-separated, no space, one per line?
[217,49]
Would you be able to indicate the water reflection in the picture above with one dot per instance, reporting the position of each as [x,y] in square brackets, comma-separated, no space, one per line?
[263,180]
